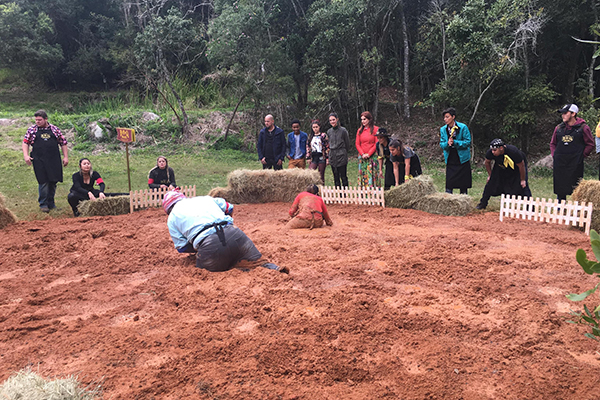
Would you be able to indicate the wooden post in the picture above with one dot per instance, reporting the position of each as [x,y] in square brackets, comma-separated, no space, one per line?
[128,172]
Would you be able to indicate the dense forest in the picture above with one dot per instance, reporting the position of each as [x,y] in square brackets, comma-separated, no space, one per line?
[501,63]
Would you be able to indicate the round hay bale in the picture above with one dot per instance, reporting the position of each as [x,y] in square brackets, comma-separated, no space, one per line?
[589,191]
[445,204]
[268,186]
[6,217]
[405,195]
[116,205]
[2,200]
[224,193]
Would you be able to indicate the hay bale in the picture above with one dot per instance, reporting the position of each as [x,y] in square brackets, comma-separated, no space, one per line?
[2,200]
[268,186]
[108,206]
[405,195]
[445,204]
[6,217]
[26,384]
[589,191]
[221,192]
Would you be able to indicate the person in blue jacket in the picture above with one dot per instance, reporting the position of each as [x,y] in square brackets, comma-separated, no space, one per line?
[203,225]
[271,145]
[296,144]
[455,141]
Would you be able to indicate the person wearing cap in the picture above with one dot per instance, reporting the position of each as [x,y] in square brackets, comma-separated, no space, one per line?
[571,142]
[508,174]
[308,210]
[204,225]
[402,155]
[455,141]
[383,157]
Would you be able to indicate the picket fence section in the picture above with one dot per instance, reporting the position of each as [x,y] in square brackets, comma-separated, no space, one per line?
[552,211]
[372,196]
[139,199]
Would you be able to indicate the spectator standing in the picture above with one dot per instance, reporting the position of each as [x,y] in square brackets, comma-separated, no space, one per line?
[571,142]
[296,146]
[271,145]
[366,143]
[318,149]
[45,139]
[455,141]
[383,157]
[339,146]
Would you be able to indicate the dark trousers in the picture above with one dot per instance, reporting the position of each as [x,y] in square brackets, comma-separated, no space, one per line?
[46,194]
[462,191]
[272,164]
[221,251]
[340,176]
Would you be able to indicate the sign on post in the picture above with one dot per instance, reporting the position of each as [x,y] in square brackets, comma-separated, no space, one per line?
[126,135]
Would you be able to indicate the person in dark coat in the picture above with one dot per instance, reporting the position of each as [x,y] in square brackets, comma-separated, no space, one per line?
[508,174]
[162,176]
[339,146]
[45,139]
[383,157]
[271,145]
[571,142]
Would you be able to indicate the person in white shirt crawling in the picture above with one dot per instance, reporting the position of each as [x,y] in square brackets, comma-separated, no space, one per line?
[204,225]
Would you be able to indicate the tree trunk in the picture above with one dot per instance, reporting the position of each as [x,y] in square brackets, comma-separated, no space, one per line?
[376,97]
[406,64]
[233,114]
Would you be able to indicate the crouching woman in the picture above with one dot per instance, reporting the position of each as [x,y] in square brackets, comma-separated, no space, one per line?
[83,186]
[308,210]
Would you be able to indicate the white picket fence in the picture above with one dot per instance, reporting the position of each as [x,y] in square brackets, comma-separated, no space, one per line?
[551,211]
[146,198]
[372,196]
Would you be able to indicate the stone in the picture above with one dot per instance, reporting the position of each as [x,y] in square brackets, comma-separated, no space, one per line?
[96,130]
[149,116]
[545,162]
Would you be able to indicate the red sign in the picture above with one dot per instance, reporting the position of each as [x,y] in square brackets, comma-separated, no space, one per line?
[126,135]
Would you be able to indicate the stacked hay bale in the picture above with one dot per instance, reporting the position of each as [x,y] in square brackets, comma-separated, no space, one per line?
[589,191]
[6,216]
[108,206]
[420,194]
[266,186]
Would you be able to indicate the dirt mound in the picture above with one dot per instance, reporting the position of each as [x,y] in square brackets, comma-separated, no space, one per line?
[387,303]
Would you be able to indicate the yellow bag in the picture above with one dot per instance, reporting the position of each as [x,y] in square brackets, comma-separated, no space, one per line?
[598,130]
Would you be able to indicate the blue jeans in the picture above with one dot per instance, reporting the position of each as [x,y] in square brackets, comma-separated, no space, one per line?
[47,191]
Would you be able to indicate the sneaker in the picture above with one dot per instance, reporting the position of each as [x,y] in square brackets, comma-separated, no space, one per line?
[284,270]
[275,267]
[480,206]
[44,209]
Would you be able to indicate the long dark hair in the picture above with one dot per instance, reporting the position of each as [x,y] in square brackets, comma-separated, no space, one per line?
[368,116]
[312,133]
[166,167]
[82,160]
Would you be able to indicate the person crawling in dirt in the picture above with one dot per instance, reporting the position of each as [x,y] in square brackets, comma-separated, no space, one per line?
[83,186]
[508,175]
[162,176]
[204,225]
[308,210]
[406,162]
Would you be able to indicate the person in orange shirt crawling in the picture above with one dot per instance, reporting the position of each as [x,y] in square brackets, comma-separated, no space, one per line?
[308,210]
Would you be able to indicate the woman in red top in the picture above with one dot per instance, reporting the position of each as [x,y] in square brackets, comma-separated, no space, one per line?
[366,144]
[308,210]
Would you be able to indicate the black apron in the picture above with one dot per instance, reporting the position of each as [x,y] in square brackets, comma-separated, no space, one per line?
[458,176]
[567,168]
[47,163]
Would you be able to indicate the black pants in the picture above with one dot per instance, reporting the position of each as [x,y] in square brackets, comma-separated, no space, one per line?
[272,164]
[340,175]
[221,251]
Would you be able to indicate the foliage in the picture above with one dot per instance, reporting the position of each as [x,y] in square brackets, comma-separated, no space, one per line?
[590,319]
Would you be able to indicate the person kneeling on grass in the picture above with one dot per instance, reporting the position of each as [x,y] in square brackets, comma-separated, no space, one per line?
[308,210]
[509,174]
[203,225]
[83,186]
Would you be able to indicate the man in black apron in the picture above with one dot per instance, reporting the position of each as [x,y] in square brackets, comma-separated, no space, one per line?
[45,157]
[571,142]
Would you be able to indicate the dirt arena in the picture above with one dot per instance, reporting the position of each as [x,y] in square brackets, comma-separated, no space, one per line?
[387,303]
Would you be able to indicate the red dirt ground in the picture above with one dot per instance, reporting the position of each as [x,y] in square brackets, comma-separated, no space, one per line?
[387,303]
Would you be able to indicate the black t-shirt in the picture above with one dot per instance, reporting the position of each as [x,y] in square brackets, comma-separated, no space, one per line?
[407,153]
[511,151]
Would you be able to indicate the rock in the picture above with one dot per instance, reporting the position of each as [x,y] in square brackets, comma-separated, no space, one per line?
[545,162]
[149,116]
[96,130]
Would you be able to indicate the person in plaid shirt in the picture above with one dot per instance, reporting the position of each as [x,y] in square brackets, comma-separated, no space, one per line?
[45,140]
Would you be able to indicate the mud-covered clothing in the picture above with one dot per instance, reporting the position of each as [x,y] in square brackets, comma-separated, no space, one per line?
[569,145]
[339,146]
[158,177]
[506,175]
[415,163]
[223,250]
[457,156]
[383,154]
[311,208]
